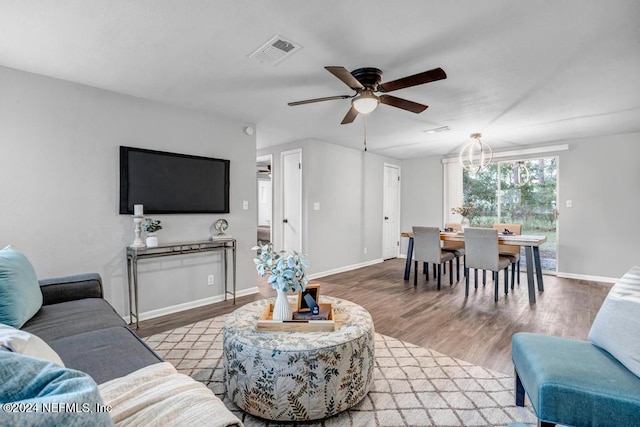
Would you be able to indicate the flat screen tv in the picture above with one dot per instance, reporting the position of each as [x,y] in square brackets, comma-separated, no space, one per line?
[171,183]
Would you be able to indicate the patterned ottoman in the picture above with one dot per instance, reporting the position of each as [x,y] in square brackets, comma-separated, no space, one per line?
[298,376]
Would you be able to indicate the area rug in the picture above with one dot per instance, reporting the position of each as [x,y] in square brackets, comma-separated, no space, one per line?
[412,386]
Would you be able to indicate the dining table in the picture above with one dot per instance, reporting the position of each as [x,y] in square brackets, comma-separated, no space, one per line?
[531,245]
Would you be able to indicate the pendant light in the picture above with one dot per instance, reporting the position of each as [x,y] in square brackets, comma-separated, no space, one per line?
[475,155]
[523,175]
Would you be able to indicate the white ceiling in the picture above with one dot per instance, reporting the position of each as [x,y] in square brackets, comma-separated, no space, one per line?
[519,72]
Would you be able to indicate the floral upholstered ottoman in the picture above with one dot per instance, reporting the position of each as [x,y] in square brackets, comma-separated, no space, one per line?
[298,376]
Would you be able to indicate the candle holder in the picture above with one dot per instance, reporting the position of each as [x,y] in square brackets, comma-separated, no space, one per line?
[137,242]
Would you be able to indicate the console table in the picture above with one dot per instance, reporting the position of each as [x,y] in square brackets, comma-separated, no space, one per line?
[171,249]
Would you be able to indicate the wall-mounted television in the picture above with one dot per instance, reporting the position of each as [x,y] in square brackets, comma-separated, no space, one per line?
[171,183]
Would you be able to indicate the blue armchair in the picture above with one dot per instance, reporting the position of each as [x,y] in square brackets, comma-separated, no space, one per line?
[586,383]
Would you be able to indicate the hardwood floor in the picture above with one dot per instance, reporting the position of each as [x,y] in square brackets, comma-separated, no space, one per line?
[474,329]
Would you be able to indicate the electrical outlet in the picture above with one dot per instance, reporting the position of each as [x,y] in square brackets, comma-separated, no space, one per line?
[210,280]
[365,250]
[245,204]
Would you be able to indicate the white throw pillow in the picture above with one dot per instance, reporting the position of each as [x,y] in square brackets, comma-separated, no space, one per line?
[616,328]
[27,344]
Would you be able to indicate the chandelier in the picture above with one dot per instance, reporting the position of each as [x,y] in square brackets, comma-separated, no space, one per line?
[475,155]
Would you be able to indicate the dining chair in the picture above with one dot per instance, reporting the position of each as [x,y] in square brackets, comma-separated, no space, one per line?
[427,248]
[457,248]
[481,247]
[510,251]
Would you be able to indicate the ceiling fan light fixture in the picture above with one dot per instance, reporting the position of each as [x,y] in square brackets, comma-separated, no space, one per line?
[365,81]
[365,103]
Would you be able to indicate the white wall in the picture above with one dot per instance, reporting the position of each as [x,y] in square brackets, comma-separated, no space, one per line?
[348,184]
[598,237]
[60,187]
[422,195]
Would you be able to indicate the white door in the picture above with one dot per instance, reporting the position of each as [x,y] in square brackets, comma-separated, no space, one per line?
[391,212]
[292,200]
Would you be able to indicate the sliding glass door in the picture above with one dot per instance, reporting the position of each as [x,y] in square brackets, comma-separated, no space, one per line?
[518,191]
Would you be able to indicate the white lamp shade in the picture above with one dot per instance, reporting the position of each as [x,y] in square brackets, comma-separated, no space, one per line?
[365,103]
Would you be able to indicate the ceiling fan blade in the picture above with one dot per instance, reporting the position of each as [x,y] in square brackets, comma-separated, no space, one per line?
[405,104]
[327,98]
[350,116]
[414,80]
[345,76]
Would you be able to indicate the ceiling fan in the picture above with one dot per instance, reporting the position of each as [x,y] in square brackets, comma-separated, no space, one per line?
[366,82]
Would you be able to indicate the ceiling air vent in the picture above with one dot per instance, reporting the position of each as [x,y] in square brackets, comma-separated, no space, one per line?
[275,50]
[437,130]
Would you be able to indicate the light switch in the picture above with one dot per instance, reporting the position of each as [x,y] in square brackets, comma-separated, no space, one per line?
[316,206]
[569,203]
[245,204]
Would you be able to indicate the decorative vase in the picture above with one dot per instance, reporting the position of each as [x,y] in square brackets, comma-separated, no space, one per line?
[281,309]
[465,222]
[152,240]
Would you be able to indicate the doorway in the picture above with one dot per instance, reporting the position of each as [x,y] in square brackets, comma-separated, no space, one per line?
[391,212]
[518,191]
[291,200]
[265,199]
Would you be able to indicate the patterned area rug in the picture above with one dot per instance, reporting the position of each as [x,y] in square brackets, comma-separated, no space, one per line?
[412,386]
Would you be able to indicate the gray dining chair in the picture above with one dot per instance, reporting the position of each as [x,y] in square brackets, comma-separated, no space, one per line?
[457,248]
[481,247]
[427,248]
[510,251]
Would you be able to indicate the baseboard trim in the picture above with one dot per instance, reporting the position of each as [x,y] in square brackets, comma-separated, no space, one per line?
[343,269]
[219,298]
[587,277]
[189,305]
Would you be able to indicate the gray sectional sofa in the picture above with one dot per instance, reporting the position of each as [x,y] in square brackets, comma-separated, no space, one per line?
[128,378]
[85,331]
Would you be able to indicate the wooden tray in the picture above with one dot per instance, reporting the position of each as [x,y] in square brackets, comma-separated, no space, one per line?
[266,322]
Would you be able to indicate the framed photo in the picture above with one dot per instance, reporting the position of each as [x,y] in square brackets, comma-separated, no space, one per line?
[314,291]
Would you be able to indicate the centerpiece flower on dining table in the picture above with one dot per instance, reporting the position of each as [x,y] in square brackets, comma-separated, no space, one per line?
[466,211]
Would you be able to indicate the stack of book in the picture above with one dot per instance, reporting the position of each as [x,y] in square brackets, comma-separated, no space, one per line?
[325,309]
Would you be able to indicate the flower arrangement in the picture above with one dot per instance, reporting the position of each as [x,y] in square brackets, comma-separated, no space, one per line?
[151,225]
[466,210]
[287,272]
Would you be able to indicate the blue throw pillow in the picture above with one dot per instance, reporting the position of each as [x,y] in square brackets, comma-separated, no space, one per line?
[20,295]
[35,392]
